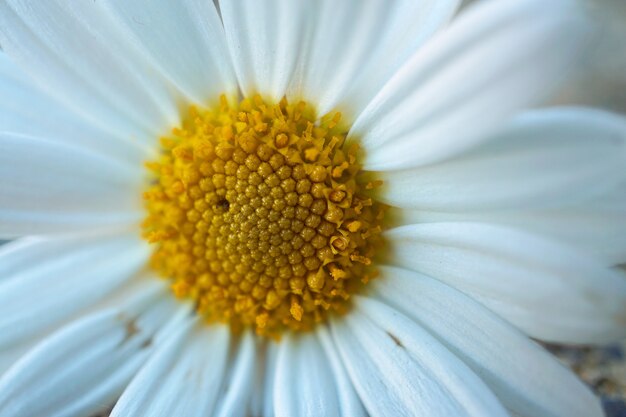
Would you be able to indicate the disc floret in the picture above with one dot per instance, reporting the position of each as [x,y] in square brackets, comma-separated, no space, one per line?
[258,213]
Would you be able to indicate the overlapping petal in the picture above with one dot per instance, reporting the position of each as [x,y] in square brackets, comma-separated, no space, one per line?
[182,378]
[596,226]
[398,369]
[349,402]
[495,60]
[77,52]
[526,378]
[234,400]
[53,187]
[548,289]
[186,41]
[265,40]
[87,364]
[45,282]
[304,384]
[26,110]
[307,50]
[543,159]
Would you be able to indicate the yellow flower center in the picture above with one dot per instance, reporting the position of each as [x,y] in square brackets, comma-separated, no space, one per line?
[258,214]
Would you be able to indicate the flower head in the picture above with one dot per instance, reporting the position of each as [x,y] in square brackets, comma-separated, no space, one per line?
[301,208]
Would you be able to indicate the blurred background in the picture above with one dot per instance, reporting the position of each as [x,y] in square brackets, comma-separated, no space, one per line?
[600,81]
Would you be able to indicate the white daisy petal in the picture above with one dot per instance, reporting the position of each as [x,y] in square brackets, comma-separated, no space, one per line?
[349,402]
[309,48]
[547,158]
[407,26]
[46,281]
[238,386]
[10,355]
[50,186]
[257,401]
[84,366]
[304,383]
[182,378]
[132,292]
[27,110]
[352,47]
[262,401]
[186,40]
[398,369]
[264,38]
[499,58]
[75,51]
[526,378]
[597,226]
[549,290]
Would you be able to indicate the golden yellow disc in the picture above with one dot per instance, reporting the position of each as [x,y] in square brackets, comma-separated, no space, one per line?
[258,214]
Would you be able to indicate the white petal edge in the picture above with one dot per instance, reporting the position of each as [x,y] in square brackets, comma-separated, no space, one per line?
[86,364]
[27,110]
[352,48]
[349,402]
[597,227]
[496,59]
[257,400]
[138,288]
[398,369]
[46,281]
[350,62]
[264,39]
[186,41]
[62,188]
[304,384]
[551,291]
[335,55]
[262,402]
[183,377]
[234,401]
[78,53]
[546,158]
[527,379]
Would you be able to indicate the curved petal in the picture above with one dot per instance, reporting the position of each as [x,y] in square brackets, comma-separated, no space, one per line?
[304,385]
[186,41]
[234,401]
[495,60]
[85,365]
[597,226]
[182,378]
[262,401]
[61,188]
[353,47]
[264,38]
[549,290]
[398,369]
[526,378]
[544,159]
[10,355]
[349,402]
[132,292]
[334,54]
[26,110]
[46,281]
[78,53]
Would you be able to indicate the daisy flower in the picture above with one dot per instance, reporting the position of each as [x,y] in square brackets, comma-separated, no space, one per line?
[301,208]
